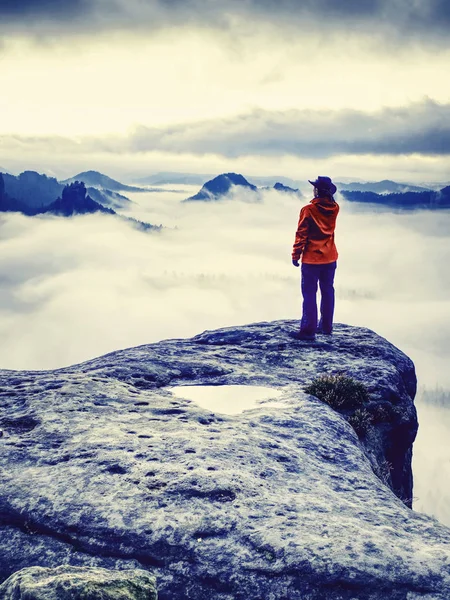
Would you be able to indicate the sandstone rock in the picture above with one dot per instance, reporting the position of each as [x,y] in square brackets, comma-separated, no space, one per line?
[103,466]
[78,583]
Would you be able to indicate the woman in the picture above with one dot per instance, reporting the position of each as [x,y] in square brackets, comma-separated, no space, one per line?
[314,243]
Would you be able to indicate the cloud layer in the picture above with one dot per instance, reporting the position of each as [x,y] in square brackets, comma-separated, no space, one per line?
[421,128]
[226,262]
[78,288]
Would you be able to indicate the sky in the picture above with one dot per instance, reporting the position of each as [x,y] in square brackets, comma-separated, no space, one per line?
[298,87]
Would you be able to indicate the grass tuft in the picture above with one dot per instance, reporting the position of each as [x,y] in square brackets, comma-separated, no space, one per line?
[339,391]
[361,421]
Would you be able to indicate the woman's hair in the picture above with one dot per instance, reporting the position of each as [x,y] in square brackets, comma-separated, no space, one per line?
[321,193]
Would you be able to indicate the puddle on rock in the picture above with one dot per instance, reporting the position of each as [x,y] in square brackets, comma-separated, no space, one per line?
[228,399]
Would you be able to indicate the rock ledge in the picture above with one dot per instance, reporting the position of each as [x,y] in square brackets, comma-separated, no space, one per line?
[104,467]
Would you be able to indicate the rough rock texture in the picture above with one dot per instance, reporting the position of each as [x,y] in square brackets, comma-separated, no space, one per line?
[78,583]
[103,466]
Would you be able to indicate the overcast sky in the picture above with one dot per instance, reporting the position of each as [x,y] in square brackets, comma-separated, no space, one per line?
[296,87]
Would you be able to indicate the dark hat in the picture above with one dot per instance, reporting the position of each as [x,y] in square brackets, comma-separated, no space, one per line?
[325,184]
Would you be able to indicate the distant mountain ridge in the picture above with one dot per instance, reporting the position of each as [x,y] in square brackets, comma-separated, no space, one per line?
[343,184]
[32,189]
[269,181]
[429,199]
[179,178]
[99,180]
[220,186]
[173,177]
[36,190]
[74,200]
[386,186]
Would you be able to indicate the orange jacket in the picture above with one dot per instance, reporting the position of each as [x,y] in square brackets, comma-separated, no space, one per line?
[314,239]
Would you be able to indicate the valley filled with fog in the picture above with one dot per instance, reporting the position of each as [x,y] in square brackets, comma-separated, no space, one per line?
[76,288]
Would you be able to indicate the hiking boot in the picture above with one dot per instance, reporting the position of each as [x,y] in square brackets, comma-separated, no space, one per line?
[302,335]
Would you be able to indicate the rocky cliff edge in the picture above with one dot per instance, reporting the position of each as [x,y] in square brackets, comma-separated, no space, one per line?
[103,466]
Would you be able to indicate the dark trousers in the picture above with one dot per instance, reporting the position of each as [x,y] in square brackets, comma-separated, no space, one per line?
[324,276]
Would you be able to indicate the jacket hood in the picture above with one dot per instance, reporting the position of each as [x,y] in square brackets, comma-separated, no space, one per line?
[325,206]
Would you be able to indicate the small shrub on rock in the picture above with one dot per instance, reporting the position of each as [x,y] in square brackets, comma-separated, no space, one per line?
[339,391]
[361,421]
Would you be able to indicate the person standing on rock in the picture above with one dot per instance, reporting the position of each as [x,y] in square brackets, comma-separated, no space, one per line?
[314,243]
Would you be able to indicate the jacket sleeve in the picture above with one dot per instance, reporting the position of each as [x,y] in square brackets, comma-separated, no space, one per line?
[301,236]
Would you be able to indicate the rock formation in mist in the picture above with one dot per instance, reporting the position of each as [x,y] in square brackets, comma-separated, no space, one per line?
[74,200]
[32,189]
[8,204]
[103,466]
[285,189]
[220,186]
[429,199]
[279,187]
[31,192]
